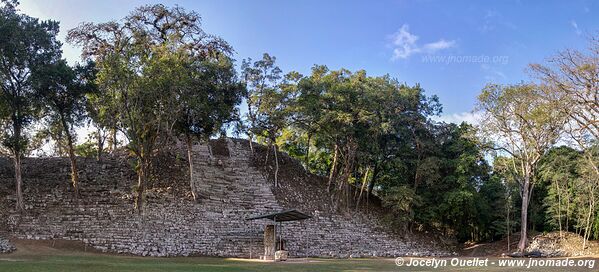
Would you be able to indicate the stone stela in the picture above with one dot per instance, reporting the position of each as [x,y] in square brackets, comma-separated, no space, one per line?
[274,249]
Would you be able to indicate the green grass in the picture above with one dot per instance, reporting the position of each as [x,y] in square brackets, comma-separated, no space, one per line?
[111,263]
[118,263]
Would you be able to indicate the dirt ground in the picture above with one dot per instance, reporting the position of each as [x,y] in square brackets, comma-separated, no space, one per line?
[550,244]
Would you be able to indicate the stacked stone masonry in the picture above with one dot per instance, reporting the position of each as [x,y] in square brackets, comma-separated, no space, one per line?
[230,189]
[6,246]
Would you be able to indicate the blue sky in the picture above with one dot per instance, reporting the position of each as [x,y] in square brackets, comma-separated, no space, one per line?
[451,48]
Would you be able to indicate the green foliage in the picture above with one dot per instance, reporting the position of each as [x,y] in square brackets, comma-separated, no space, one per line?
[266,98]
[524,125]
[402,199]
[456,199]
[558,171]
[495,207]
[565,191]
[62,91]
[158,70]
[87,149]
[26,45]
[428,174]
[207,95]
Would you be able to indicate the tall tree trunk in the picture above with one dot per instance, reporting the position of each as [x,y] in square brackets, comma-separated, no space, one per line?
[333,172]
[71,151]
[74,172]
[507,219]
[346,172]
[274,147]
[17,161]
[267,153]
[307,159]
[567,208]
[142,173]
[252,121]
[59,144]
[251,138]
[587,232]
[100,144]
[114,140]
[559,209]
[586,228]
[189,142]
[348,164]
[363,185]
[524,213]
[371,184]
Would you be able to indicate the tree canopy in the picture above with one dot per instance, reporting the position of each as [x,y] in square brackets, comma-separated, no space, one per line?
[159,71]
[27,46]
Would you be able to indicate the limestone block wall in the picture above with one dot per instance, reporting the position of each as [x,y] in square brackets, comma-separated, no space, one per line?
[6,246]
[230,190]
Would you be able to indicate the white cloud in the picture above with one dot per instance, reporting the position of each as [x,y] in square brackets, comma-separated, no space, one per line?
[438,45]
[575,26]
[404,44]
[458,118]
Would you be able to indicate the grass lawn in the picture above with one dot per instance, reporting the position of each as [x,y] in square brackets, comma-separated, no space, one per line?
[67,256]
[112,263]
[103,263]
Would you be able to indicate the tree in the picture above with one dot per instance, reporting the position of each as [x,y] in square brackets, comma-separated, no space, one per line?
[503,171]
[586,196]
[559,169]
[62,90]
[305,107]
[404,140]
[267,99]
[362,132]
[572,86]
[524,126]
[494,209]
[572,83]
[99,109]
[140,65]
[462,184]
[26,45]
[208,95]
[260,77]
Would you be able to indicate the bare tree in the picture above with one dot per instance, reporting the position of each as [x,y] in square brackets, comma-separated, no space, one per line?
[572,85]
[523,125]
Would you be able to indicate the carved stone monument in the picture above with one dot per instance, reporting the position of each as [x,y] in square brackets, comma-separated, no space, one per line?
[269,242]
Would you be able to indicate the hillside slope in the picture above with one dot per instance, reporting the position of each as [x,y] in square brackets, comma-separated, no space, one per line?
[232,187]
